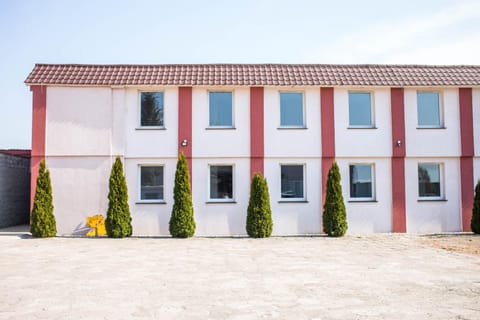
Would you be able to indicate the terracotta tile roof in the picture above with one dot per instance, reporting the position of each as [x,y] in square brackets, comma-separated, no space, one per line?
[254,75]
[17,152]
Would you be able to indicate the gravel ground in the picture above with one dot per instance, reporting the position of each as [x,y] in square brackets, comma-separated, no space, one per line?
[385,276]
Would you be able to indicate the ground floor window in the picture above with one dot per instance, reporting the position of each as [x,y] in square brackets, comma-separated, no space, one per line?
[221,182]
[151,183]
[429,180]
[292,182]
[361,182]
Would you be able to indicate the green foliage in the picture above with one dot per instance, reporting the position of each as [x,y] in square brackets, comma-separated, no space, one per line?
[182,222]
[119,221]
[334,213]
[475,223]
[43,221]
[259,214]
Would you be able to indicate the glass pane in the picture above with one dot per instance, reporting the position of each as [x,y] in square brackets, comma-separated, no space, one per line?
[220,109]
[151,109]
[429,180]
[292,181]
[361,181]
[151,183]
[291,109]
[428,110]
[359,108]
[221,182]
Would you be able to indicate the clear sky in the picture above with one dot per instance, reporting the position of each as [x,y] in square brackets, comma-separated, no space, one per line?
[228,31]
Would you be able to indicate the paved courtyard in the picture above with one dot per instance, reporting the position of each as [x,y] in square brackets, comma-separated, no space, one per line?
[355,277]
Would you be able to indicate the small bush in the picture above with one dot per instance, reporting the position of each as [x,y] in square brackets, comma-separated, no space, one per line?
[475,223]
[334,213]
[259,214]
[182,222]
[119,221]
[43,222]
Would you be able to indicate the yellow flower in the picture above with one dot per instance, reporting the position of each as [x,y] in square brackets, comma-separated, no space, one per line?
[97,223]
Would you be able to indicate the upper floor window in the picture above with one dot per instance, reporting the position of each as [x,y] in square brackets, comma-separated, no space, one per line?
[361,182]
[221,182]
[220,109]
[429,180]
[428,109]
[292,182]
[151,109]
[291,109]
[360,109]
[151,183]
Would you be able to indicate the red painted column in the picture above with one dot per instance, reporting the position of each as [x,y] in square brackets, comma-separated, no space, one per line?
[39,119]
[466,159]
[256,131]
[399,221]
[328,134]
[185,125]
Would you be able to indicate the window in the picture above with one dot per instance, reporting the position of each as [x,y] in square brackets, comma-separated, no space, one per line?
[151,183]
[361,181]
[360,109]
[220,109]
[428,109]
[292,184]
[221,183]
[291,109]
[429,177]
[151,109]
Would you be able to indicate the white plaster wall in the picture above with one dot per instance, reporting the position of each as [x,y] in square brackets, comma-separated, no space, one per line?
[369,217]
[476,170]
[79,121]
[433,216]
[220,219]
[367,142]
[151,142]
[292,142]
[296,217]
[476,120]
[80,189]
[150,218]
[433,142]
[221,142]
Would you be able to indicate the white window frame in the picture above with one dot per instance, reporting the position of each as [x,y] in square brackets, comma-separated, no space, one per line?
[304,166]
[373,178]
[372,110]
[139,183]
[441,124]
[233,109]
[221,200]
[139,121]
[442,182]
[304,117]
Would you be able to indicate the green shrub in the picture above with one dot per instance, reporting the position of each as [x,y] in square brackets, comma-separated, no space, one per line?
[43,221]
[119,221]
[334,213]
[182,222]
[475,223]
[259,214]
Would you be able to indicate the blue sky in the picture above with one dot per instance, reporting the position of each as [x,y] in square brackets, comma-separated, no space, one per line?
[246,31]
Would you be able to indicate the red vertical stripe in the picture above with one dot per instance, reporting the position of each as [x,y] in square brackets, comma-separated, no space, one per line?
[466,160]
[328,134]
[399,223]
[185,125]
[256,130]
[39,118]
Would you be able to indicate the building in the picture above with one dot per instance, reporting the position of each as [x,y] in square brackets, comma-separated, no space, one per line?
[406,138]
[14,187]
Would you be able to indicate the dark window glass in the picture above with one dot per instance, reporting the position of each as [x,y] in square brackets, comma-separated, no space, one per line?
[151,183]
[292,181]
[360,109]
[291,109]
[429,180]
[220,109]
[221,186]
[361,181]
[151,109]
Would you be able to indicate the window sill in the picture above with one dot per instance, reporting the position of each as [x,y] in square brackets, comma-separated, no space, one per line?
[361,127]
[362,201]
[434,128]
[151,128]
[432,200]
[220,128]
[221,202]
[292,201]
[292,128]
[150,202]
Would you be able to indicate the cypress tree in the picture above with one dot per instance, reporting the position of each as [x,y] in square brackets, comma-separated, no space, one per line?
[119,221]
[182,222]
[334,213]
[43,221]
[259,213]
[475,223]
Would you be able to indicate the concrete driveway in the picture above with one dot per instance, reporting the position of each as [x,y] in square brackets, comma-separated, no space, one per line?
[355,277]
